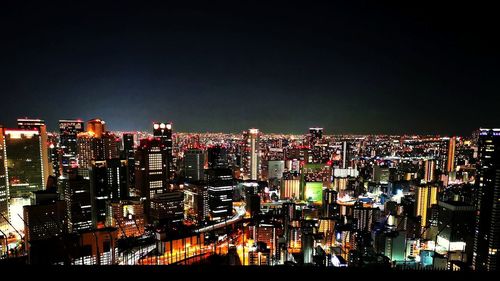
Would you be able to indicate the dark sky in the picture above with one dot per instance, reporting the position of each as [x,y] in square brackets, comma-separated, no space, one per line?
[356,67]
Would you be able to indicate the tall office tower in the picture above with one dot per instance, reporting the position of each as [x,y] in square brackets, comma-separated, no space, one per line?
[307,241]
[78,202]
[196,201]
[365,216]
[220,192]
[194,160]
[450,163]
[217,157]
[381,174]
[429,168]
[487,235]
[25,170]
[251,154]
[108,181]
[330,206]
[4,196]
[129,155]
[68,132]
[151,174]
[95,144]
[426,196]
[55,155]
[456,225]
[314,137]
[163,131]
[39,125]
[346,155]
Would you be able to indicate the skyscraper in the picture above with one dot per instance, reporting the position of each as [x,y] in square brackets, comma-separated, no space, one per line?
[163,131]
[251,154]
[220,193]
[426,197]
[68,132]
[108,181]
[450,163]
[95,144]
[217,157]
[39,125]
[487,236]
[429,168]
[4,196]
[129,155]
[194,159]
[151,174]
[78,202]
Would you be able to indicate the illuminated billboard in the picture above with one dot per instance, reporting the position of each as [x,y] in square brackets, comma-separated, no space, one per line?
[314,192]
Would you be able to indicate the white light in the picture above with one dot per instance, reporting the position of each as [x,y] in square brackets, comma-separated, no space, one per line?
[156,126]
[162,126]
[169,126]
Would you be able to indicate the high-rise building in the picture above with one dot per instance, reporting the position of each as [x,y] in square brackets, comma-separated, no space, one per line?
[45,218]
[217,157]
[151,175]
[95,144]
[4,196]
[330,206]
[25,170]
[68,132]
[129,155]
[456,227]
[429,168]
[426,196]
[450,163]
[487,234]
[78,202]
[346,155]
[220,192]
[315,136]
[108,181]
[365,216]
[167,208]
[196,203]
[39,125]
[163,131]
[251,154]
[194,160]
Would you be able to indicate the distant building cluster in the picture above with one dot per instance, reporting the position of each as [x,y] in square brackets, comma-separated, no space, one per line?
[88,195]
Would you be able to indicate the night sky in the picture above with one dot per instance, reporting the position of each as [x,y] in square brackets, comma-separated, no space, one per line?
[227,66]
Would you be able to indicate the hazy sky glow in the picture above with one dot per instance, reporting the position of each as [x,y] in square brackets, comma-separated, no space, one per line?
[350,68]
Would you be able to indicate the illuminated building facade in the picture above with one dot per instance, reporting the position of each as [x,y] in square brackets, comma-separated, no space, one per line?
[108,181]
[167,208]
[196,203]
[4,196]
[163,131]
[429,169]
[251,154]
[329,205]
[426,196]
[127,216]
[194,160]
[487,234]
[78,202]
[220,193]
[68,132]
[290,189]
[129,155]
[450,163]
[39,125]
[365,217]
